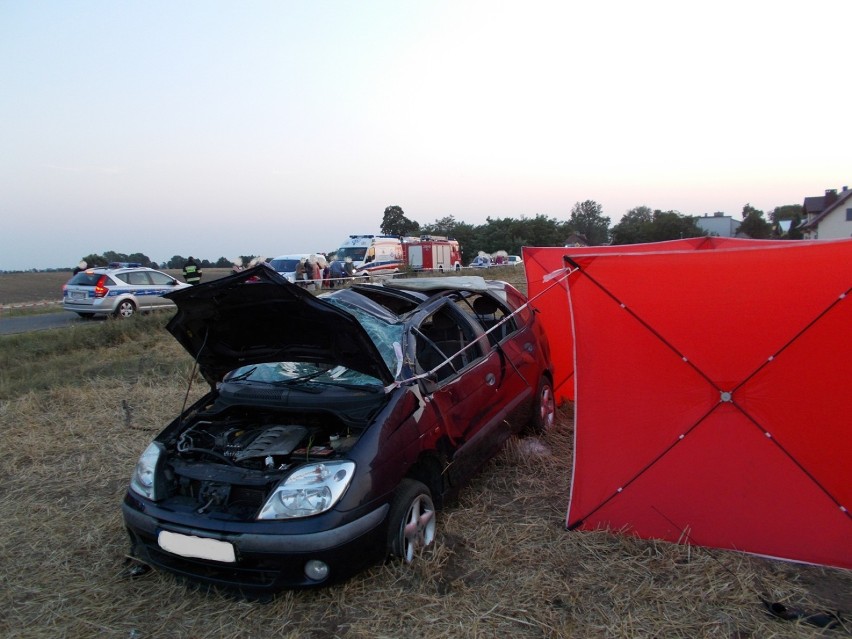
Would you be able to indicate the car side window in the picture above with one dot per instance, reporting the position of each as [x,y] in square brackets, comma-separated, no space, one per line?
[138,278]
[159,279]
[443,337]
[516,300]
[489,313]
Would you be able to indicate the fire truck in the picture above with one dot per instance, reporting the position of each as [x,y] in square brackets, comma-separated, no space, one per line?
[432,253]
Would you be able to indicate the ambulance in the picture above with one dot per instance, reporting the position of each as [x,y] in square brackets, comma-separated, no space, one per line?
[372,254]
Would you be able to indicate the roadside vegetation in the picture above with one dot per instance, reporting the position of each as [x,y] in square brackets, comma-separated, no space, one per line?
[78,405]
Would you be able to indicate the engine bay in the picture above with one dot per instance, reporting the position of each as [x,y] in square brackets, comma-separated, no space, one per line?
[225,463]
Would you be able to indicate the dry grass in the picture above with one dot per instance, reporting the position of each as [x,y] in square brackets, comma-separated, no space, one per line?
[503,565]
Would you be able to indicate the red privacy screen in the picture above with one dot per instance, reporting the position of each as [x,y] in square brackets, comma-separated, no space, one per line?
[712,390]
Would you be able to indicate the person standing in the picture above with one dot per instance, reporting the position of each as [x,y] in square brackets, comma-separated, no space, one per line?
[191,271]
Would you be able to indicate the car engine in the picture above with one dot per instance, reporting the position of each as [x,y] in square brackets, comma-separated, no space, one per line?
[227,464]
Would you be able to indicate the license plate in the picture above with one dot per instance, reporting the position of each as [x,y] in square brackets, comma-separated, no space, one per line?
[78,295]
[197,547]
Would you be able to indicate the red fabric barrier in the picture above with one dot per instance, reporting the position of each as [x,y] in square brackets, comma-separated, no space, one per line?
[712,399]
[540,261]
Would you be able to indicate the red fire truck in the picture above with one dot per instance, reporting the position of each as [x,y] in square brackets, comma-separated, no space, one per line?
[431,253]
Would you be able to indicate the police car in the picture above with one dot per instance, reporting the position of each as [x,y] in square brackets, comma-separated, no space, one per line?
[119,292]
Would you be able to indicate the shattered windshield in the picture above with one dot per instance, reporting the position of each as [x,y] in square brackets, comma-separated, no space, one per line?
[301,373]
[387,336]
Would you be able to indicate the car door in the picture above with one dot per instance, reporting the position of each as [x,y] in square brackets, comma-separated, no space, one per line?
[139,286]
[514,341]
[161,284]
[463,387]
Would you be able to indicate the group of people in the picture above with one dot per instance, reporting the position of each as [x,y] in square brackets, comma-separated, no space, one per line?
[317,272]
[314,272]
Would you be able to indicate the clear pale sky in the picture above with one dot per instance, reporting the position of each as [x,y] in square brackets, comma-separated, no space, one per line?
[265,127]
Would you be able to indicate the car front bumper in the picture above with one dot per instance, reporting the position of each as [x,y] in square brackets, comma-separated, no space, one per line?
[264,562]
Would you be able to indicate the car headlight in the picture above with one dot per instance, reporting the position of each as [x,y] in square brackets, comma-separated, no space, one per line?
[309,490]
[144,480]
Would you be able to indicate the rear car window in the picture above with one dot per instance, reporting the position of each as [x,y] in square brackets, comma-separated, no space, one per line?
[134,277]
[85,278]
[284,266]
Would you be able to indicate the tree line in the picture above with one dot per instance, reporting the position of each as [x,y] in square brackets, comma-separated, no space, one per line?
[586,223]
[176,262]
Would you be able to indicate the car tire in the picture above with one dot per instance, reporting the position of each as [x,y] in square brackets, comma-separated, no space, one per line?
[544,411]
[125,309]
[411,520]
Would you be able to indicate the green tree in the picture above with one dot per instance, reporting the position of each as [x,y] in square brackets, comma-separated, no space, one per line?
[542,230]
[754,225]
[507,234]
[444,226]
[588,218]
[141,258]
[641,224]
[634,226]
[789,216]
[95,260]
[223,262]
[394,222]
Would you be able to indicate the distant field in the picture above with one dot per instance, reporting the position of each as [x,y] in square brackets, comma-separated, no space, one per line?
[20,288]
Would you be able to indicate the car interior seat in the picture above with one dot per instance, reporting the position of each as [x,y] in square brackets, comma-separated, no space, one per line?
[443,340]
[485,308]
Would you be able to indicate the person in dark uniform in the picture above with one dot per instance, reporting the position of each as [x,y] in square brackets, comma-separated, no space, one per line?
[191,271]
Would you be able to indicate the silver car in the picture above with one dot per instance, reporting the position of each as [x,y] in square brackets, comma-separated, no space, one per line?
[286,264]
[120,292]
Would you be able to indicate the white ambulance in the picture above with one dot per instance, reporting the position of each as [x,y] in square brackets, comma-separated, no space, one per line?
[372,254]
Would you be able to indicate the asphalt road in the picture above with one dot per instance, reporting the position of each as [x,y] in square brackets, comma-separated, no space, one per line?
[29,323]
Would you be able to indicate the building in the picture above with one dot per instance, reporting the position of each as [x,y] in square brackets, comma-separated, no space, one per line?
[577,239]
[719,224]
[829,216]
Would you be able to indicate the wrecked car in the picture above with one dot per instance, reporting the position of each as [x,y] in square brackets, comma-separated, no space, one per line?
[335,425]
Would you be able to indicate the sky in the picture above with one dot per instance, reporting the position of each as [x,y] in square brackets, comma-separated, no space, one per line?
[220,129]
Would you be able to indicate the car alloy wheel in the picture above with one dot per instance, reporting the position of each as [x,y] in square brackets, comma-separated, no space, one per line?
[545,410]
[411,522]
[126,308]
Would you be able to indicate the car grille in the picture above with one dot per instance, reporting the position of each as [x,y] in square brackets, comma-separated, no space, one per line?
[217,574]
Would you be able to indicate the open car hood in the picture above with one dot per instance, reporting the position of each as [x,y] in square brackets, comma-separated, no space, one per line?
[257,316]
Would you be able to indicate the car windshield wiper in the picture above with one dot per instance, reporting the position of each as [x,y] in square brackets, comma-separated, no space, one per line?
[242,376]
[295,381]
[373,388]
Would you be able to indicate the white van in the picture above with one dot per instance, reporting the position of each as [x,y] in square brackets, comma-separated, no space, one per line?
[372,254]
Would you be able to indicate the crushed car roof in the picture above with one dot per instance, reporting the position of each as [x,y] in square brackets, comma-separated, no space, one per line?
[458,283]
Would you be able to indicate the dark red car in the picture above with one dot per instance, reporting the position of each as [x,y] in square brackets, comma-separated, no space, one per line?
[334,425]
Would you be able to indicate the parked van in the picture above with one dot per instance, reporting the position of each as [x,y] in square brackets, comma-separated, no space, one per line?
[372,254]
